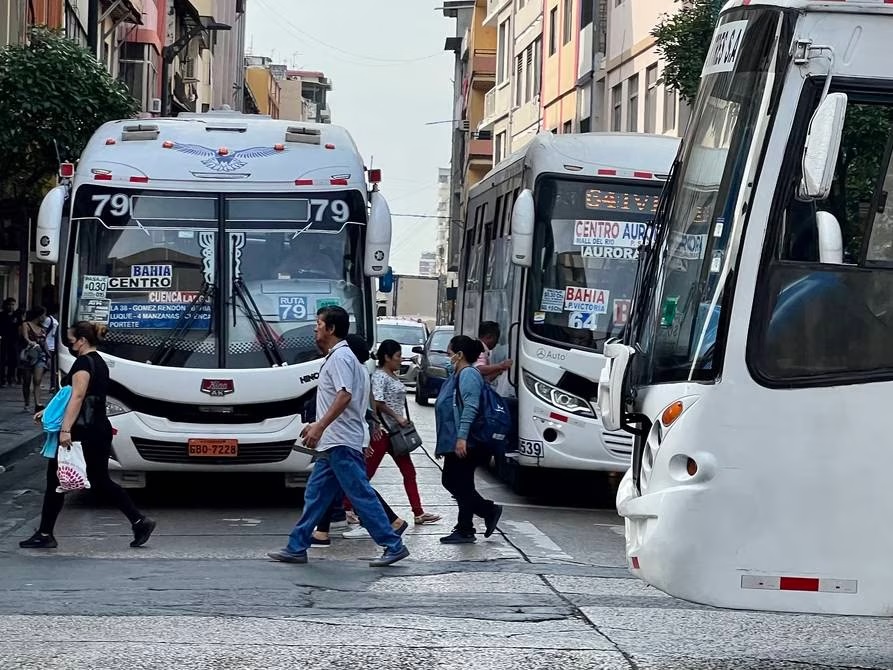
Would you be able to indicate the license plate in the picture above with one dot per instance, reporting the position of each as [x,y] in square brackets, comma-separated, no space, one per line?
[530,448]
[213,448]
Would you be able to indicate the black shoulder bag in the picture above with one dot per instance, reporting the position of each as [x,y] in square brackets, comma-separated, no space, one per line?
[404,439]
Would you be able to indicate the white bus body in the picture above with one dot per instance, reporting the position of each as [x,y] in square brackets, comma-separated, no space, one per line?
[207,243]
[550,248]
[757,369]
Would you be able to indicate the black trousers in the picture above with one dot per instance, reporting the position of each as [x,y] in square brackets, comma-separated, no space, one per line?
[9,361]
[458,479]
[96,454]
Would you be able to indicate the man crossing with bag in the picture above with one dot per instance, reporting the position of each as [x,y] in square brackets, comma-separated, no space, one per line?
[338,433]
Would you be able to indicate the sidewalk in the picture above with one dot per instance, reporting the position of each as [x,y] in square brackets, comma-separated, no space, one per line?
[19,435]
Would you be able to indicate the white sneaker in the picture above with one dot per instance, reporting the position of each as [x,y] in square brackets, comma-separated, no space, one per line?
[357,533]
[339,524]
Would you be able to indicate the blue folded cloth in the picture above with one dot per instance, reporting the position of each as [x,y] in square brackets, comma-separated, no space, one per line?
[52,421]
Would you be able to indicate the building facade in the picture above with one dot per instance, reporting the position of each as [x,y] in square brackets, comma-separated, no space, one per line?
[634,100]
[428,264]
[263,91]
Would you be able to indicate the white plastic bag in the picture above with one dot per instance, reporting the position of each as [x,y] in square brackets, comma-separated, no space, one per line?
[72,470]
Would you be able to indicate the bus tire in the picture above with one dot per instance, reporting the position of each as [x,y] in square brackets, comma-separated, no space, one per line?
[520,480]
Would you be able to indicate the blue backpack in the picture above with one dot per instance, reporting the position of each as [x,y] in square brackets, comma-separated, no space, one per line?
[493,424]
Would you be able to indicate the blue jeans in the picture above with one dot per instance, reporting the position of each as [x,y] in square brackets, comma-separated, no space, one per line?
[342,468]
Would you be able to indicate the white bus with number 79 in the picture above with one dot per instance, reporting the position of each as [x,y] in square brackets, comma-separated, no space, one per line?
[207,243]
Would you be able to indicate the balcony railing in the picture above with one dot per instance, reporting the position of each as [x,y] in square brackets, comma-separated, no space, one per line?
[483,65]
[489,105]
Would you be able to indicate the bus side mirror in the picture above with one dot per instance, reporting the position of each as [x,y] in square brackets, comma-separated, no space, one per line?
[49,224]
[523,216]
[378,236]
[386,282]
[822,147]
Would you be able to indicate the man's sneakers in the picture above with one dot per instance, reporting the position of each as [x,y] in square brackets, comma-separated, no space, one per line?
[39,541]
[286,556]
[458,537]
[389,557]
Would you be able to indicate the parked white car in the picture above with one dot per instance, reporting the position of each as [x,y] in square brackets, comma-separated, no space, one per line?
[409,333]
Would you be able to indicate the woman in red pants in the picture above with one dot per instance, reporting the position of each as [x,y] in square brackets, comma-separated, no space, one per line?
[389,397]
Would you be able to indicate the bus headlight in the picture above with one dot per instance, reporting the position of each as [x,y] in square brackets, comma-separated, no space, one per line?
[115,407]
[557,397]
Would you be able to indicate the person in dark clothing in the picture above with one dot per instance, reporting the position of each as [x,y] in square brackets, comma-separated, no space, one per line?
[89,379]
[10,321]
[456,409]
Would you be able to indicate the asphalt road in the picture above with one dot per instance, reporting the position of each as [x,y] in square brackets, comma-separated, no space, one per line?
[549,590]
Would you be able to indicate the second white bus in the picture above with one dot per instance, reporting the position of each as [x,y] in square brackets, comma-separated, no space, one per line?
[550,253]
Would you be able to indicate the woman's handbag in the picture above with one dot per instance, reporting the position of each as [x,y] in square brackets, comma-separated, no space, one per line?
[404,439]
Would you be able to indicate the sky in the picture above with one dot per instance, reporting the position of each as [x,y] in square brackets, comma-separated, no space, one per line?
[390,78]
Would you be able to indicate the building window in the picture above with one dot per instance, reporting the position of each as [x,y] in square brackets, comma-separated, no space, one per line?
[568,127]
[586,125]
[519,80]
[528,74]
[669,109]
[568,17]
[553,31]
[499,148]
[651,99]
[504,61]
[632,112]
[537,47]
[587,13]
[617,108]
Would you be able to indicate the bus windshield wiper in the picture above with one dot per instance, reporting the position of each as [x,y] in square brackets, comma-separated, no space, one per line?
[262,330]
[163,353]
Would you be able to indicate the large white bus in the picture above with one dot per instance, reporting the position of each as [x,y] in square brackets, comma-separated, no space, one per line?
[757,369]
[549,253]
[207,243]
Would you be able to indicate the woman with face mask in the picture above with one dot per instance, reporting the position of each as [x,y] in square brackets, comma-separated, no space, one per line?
[456,409]
[85,421]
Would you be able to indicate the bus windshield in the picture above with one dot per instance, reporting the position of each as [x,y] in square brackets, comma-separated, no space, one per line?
[161,269]
[684,290]
[585,251]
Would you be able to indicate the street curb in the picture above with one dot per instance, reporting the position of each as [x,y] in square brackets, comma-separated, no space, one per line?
[26,446]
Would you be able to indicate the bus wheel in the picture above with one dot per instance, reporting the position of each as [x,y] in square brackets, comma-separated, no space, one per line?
[520,480]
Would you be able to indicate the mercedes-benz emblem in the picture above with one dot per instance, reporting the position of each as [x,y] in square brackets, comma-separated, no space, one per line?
[379,255]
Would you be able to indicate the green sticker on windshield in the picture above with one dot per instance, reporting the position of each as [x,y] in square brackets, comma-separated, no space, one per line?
[668,313]
[327,302]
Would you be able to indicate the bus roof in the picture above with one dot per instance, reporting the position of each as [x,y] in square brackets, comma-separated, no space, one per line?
[635,155]
[247,152]
[850,6]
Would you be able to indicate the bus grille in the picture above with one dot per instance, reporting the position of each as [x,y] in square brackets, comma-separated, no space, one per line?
[618,443]
[176,452]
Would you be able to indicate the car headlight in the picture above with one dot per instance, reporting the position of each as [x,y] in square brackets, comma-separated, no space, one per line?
[115,407]
[435,371]
[557,397]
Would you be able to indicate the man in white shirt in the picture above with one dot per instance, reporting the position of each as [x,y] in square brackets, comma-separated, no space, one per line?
[339,434]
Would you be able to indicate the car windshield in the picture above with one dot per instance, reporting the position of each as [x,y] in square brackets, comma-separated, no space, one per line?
[441,340]
[414,335]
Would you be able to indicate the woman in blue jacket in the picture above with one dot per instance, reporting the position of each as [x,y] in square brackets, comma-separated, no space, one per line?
[455,411]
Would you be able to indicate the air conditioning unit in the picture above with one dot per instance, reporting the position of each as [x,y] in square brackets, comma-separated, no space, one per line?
[155,106]
[463,125]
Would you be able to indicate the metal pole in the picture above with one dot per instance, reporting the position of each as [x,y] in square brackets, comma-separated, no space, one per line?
[165,81]
[93,26]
